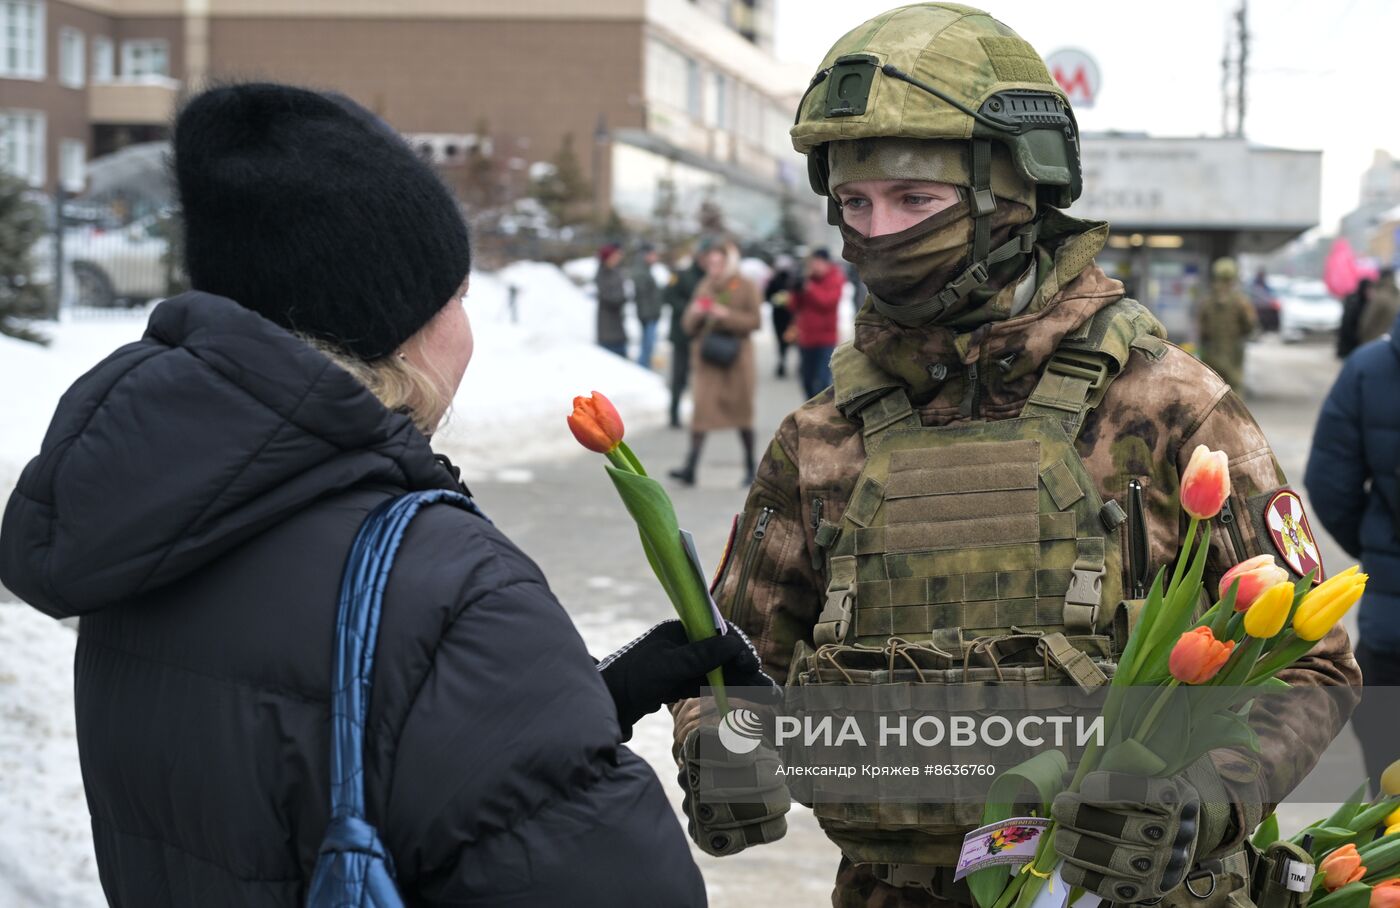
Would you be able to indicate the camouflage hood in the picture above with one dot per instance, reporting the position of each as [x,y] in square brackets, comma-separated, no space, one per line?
[936,361]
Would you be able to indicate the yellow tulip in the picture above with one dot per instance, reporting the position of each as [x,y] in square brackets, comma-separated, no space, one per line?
[1325,605]
[1392,829]
[1393,819]
[1267,615]
[1390,781]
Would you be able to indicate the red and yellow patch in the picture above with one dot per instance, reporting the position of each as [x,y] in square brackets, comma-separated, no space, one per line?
[1291,534]
[728,553]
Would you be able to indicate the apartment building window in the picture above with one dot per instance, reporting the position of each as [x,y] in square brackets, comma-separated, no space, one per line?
[145,58]
[70,57]
[693,90]
[666,74]
[22,144]
[22,39]
[72,164]
[104,59]
[717,102]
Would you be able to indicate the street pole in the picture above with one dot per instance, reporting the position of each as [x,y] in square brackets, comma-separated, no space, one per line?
[1240,75]
[59,266]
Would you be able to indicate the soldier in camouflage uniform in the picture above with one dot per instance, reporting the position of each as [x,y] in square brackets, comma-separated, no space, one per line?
[1224,321]
[989,312]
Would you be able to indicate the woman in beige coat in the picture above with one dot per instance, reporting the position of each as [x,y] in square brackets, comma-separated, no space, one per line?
[723,380]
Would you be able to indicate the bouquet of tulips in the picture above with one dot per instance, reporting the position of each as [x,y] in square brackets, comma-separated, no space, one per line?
[1356,849]
[597,425]
[1260,624]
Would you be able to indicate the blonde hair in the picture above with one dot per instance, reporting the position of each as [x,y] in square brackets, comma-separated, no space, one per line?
[397,383]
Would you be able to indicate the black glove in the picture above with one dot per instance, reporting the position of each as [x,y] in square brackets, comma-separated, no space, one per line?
[663,666]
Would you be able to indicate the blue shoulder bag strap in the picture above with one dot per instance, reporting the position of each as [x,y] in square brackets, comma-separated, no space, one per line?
[354,868]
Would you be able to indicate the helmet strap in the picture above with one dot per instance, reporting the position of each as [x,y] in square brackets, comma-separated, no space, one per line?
[983,202]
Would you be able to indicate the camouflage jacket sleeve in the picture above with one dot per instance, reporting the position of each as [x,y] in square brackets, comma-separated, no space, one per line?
[766,583]
[1291,740]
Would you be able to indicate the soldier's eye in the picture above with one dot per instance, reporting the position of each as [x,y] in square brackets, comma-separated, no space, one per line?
[854,202]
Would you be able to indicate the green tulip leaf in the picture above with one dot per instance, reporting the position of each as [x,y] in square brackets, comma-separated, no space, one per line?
[1041,777]
[1267,833]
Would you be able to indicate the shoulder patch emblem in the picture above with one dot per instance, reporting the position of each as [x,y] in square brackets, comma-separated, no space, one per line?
[1291,535]
[724,559]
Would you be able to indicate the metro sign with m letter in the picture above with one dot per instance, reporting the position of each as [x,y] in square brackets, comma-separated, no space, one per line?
[1076,73]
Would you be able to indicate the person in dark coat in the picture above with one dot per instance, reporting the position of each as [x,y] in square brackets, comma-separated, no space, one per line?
[677,297]
[1353,307]
[1354,487]
[646,296]
[195,499]
[778,293]
[612,297]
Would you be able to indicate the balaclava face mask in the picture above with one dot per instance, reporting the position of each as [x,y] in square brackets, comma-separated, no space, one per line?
[906,271]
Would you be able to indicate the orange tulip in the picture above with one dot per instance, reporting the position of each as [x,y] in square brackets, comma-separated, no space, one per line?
[1198,656]
[1386,894]
[596,423]
[1255,576]
[1206,483]
[1341,867]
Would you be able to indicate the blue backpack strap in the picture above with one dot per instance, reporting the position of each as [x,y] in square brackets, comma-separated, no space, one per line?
[354,867]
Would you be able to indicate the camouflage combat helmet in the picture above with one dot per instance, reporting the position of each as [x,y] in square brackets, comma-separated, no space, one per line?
[944,71]
[1224,269]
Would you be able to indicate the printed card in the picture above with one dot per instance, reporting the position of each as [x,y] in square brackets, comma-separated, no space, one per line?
[1008,842]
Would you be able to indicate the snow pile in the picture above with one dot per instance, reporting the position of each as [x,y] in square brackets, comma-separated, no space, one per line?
[510,409]
[46,853]
[524,375]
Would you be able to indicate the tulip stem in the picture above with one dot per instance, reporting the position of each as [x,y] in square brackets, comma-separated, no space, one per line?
[1145,727]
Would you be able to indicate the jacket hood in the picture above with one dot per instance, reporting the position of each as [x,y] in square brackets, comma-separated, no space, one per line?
[215,426]
[935,360]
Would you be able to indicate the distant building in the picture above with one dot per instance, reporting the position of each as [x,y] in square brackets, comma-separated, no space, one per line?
[661,97]
[1176,204]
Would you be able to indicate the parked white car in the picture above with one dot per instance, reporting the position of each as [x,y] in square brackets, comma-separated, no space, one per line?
[1306,309]
[107,267]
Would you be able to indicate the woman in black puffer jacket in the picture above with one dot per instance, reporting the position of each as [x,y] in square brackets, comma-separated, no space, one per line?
[195,500]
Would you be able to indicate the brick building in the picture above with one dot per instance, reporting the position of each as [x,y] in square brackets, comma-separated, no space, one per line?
[685,93]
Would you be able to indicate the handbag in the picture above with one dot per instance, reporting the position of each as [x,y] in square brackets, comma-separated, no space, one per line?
[353,867]
[719,348]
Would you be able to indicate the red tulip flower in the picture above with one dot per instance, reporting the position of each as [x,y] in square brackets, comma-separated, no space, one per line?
[1206,483]
[595,423]
[1255,576]
[1341,867]
[1198,656]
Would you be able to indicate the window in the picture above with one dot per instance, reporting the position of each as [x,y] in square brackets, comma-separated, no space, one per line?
[692,88]
[666,74]
[22,39]
[104,60]
[145,58]
[717,101]
[22,144]
[72,164]
[70,57]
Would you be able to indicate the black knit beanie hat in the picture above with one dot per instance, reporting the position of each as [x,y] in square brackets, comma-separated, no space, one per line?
[313,212]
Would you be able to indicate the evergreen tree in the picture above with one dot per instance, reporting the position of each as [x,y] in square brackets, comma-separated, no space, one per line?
[562,191]
[21,226]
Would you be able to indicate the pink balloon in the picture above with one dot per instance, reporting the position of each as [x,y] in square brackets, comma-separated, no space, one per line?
[1340,273]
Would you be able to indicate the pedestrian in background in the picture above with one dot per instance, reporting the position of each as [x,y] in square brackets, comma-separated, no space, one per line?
[1224,321]
[612,296]
[778,293]
[723,313]
[646,296]
[1381,309]
[814,307]
[1352,483]
[289,395]
[1353,307]
[677,297]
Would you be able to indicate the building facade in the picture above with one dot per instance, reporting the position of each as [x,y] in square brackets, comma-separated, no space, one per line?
[665,102]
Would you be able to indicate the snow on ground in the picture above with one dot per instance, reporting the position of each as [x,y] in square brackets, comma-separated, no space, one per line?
[45,842]
[511,409]
[519,387]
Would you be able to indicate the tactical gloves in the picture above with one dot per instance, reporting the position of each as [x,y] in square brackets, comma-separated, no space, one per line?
[1132,838]
[732,800]
[663,666]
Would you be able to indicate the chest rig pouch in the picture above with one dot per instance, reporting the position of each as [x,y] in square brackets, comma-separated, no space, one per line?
[977,554]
